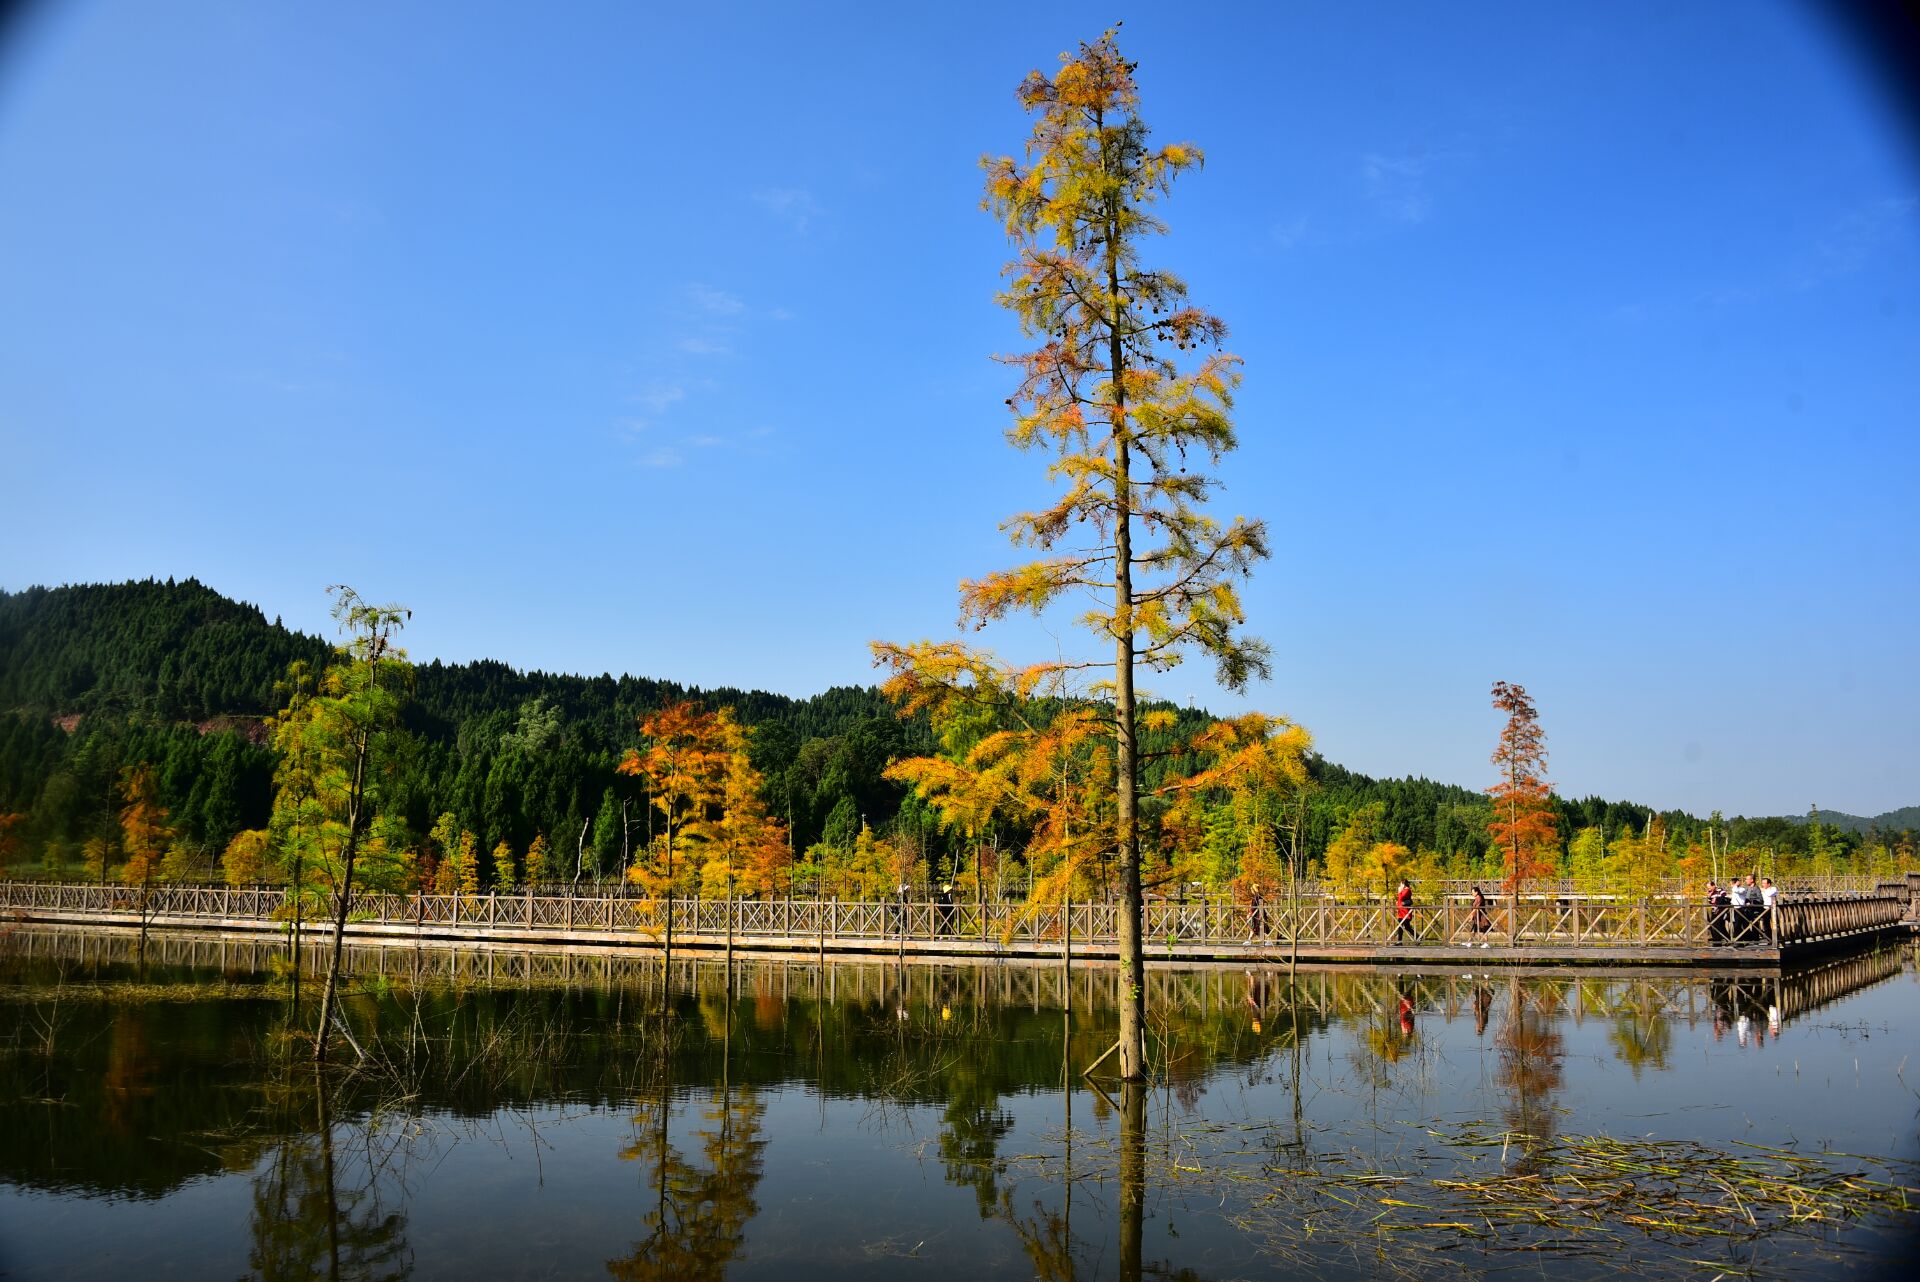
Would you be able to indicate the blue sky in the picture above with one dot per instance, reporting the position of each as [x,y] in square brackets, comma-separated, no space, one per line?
[1582,349]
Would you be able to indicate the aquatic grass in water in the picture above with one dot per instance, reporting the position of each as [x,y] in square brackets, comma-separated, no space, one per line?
[1579,1196]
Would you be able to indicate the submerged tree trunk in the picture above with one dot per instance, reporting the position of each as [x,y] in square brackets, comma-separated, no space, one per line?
[1133,1176]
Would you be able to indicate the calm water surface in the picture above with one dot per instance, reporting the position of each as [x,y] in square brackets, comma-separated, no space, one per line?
[581,1117]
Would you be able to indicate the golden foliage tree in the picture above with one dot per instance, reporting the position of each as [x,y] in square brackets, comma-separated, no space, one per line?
[466,863]
[1350,868]
[443,847]
[538,859]
[95,856]
[505,875]
[750,850]
[1127,427]
[1043,765]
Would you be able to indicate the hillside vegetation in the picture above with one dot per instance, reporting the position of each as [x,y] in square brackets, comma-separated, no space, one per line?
[97,679]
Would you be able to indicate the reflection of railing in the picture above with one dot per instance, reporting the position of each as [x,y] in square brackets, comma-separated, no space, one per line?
[1319,995]
[1805,991]
[1564,922]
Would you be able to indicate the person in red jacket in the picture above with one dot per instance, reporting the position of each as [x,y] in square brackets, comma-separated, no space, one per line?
[1403,911]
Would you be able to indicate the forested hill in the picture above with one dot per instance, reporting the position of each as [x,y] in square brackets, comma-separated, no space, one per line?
[96,677]
[167,651]
[180,651]
[172,674]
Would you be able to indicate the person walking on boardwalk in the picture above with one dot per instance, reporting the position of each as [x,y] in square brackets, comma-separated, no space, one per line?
[1479,922]
[1403,911]
[1736,913]
[1716,915]
[1756,924]
[1256,914]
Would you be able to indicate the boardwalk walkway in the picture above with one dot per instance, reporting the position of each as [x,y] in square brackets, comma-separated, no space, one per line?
[1545,931]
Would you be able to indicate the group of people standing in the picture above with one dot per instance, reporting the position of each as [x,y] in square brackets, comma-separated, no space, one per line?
[1738,912]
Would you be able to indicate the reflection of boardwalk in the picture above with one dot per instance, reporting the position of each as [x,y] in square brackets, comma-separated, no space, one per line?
[1535,932]
[1321,993]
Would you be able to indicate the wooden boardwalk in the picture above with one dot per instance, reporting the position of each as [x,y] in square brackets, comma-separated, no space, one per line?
[1557,931]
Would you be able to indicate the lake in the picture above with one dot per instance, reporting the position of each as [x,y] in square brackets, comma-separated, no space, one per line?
[571,1116]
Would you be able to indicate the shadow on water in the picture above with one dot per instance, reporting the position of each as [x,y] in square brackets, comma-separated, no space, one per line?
[1340,1124]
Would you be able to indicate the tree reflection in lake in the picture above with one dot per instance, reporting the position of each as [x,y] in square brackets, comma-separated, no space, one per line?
[696,1223]
[1531,1052]
[320,1214]
[1641,1035]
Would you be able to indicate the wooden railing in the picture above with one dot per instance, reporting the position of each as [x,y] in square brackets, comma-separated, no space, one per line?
[1169,926]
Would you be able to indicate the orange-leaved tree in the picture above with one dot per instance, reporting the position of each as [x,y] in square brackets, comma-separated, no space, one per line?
[684,767]
[1524,827]
[144,833]
[1128,429]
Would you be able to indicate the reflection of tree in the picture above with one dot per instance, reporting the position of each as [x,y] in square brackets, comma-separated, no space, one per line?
[1531,1051]
[970,1145]
[128,1079]
[1389,1034]
[1641,1034]
[973,1122]
[1047,1238]
[699,1218]
[311,1219]
[1133,1175]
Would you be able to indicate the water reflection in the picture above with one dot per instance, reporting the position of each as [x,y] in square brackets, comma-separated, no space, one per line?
[316,1214]
[945,1106]
[702,1200]
[1531,1053]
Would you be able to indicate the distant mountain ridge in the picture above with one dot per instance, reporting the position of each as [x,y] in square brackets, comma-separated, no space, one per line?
[1901,820]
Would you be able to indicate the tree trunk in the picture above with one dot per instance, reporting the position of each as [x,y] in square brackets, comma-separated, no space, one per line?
[1133,1005]
[355,807]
